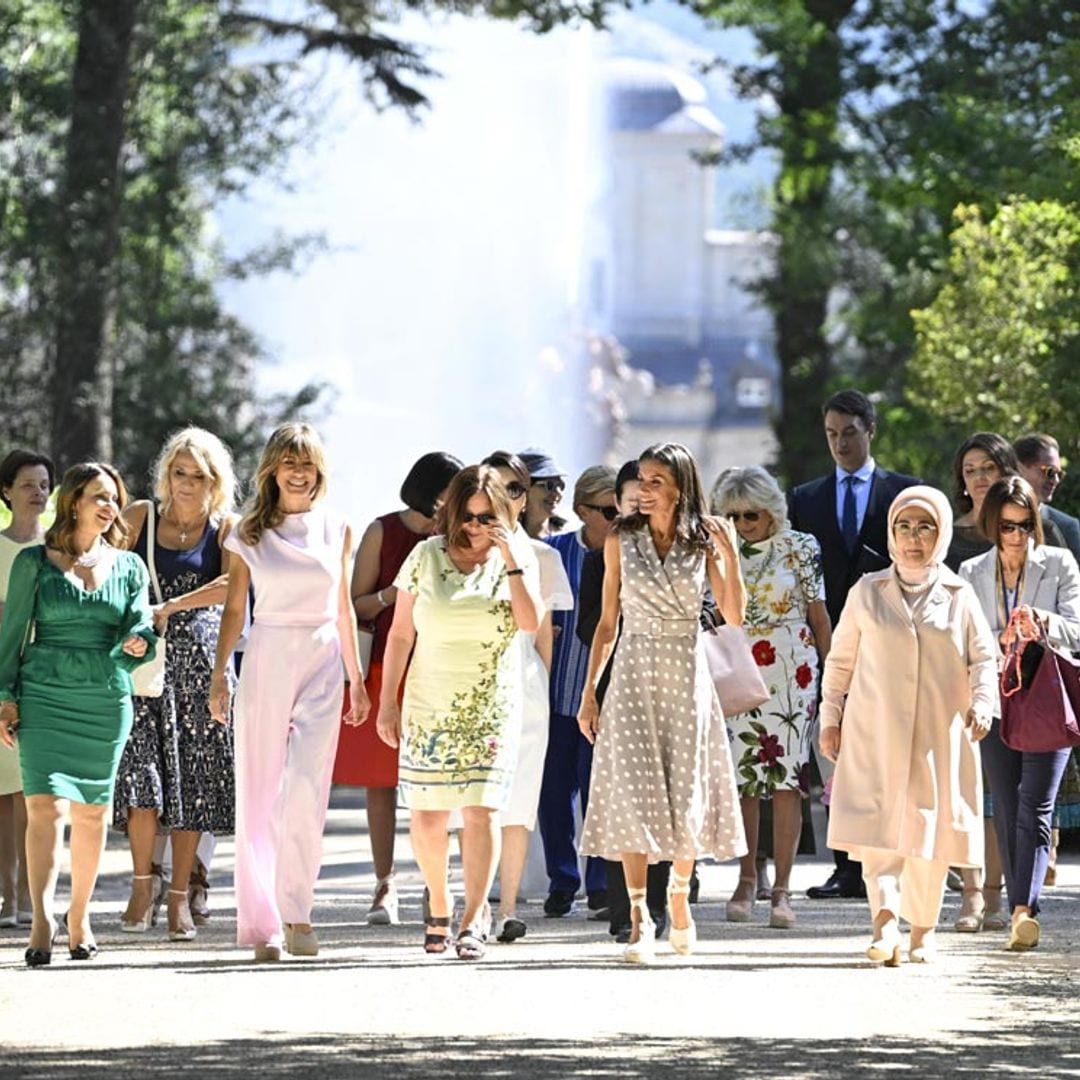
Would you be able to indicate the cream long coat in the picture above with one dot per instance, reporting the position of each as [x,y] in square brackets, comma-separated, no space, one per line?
[908,776]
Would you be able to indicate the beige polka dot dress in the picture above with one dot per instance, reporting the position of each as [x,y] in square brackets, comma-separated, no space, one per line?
[662,776]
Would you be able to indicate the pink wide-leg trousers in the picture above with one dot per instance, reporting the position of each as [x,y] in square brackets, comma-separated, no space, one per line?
[288,715]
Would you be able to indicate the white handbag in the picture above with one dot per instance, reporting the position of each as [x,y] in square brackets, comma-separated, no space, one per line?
[148,680]
[734,671]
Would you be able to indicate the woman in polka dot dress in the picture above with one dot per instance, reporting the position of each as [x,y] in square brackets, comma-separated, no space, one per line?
[663,783]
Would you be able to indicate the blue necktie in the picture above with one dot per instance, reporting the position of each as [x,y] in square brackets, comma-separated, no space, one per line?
[850,522]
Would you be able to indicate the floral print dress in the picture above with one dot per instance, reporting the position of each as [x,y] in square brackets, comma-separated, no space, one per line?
[461,714]
[783,577]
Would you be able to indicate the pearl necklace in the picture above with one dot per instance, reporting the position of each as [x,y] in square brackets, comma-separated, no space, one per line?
[90,557]
[916,589]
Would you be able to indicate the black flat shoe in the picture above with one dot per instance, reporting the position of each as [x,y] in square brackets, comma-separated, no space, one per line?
[84,952]
[38,957]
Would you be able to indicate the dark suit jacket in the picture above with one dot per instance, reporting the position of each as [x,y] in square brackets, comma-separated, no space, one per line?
[812,509]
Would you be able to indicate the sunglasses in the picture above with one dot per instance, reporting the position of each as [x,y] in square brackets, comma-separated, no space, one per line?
[1051,472]
[1026,527]
[923,531]
[610,512]
[480,519]
[749,516]
[554,485]
[515,490]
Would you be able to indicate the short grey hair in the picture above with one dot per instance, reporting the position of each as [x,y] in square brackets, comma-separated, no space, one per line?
[595,481]
[750,488]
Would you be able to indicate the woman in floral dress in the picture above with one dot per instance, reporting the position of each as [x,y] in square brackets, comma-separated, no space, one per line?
[461,599]
[789,630]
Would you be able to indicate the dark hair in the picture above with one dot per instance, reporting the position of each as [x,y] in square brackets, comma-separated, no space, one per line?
[1015,491]
[20,459]
[427,480]
[503,459]
[690,509]
[1029,448]
[470,481]
[60,533]
[996,448]
[625,475]
[853,403]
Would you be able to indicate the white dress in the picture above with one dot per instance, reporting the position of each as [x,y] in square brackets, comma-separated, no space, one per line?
[557,595]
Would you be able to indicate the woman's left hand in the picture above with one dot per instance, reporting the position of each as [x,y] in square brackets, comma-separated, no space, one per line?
[723,536]
[134,645]
[356,712]
[977,724]
[160,613]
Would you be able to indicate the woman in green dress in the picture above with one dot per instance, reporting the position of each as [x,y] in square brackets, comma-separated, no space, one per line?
[462,597]
[76,624]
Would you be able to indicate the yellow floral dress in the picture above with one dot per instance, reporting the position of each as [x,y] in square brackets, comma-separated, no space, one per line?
[461,714]
[783,577]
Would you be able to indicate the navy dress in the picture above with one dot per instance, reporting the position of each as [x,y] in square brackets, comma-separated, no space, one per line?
[178,761]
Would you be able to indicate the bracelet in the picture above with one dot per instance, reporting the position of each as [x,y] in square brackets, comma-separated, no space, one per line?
[514,573]
[382,602]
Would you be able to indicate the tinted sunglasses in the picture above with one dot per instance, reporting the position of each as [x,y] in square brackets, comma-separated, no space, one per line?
[749,516]
[610,512]
[555,484]
[1052,473]
[515,490]
[1026,527]
[480,519]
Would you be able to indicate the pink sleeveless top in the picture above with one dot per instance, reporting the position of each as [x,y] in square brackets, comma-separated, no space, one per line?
[295,569]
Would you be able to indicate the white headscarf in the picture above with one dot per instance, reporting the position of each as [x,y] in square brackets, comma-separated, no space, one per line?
[936,504]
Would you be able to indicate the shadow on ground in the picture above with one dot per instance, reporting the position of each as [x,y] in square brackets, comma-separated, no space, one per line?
[1041,1049]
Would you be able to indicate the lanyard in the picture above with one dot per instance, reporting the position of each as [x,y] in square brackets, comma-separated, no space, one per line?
[1009,598]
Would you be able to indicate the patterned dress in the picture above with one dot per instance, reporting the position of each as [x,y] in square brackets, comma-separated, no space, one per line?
[662,780]
[461,716]
[783,578]
[178,761]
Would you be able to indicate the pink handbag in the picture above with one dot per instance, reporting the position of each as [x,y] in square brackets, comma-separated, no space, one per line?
[734,671]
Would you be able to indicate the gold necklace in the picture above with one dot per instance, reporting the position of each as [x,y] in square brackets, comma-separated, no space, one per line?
[181,526]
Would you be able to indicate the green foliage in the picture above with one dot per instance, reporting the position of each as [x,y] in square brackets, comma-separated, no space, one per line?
[1001,339]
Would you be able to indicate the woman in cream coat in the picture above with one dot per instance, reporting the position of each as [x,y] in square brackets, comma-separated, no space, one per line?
[916,659]
[1036,582]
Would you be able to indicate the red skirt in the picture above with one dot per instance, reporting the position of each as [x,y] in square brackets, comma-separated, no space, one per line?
[363,759]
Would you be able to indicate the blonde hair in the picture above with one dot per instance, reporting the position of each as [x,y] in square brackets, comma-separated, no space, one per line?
[595,480]
[62,531]
[750,488]
[211,455]
[295,440]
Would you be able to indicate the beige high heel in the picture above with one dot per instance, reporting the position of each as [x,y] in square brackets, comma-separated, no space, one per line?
[684,940]
[972,911]
[643,950]
[184,928]
[300,942]
[781,917]
[150,916]
[740,910]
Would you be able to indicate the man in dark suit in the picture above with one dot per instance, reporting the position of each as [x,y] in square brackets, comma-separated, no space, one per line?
[1040,466]
[847,511]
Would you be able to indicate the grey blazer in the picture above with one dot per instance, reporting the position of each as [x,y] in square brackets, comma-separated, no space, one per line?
[1069,526]
[1051,587]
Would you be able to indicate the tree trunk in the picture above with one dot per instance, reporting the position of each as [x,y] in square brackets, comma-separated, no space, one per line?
[798,294]
[81,397]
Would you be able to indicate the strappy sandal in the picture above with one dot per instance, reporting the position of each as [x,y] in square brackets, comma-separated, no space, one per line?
[469,945]
[436,943]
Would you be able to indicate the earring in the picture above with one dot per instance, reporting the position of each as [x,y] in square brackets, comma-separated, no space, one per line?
[966,495]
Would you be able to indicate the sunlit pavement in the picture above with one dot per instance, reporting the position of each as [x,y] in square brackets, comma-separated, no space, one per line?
[751,1001]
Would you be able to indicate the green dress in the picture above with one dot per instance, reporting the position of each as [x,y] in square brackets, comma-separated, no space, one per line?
[461,715]
[72,682]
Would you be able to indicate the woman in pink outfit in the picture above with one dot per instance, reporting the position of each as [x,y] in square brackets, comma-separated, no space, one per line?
[296,556]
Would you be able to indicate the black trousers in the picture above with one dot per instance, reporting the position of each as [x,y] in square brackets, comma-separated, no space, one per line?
[656,884]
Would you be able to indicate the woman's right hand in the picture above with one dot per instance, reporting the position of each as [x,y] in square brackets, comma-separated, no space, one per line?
[9,724]
[388,724]
[588,716]
[829,741]
[220,698]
